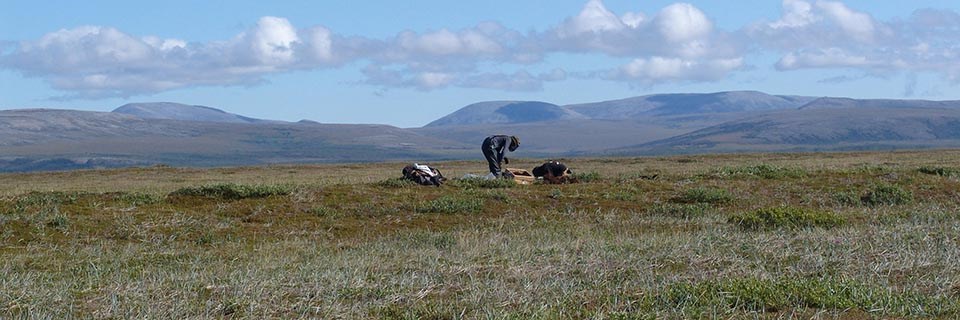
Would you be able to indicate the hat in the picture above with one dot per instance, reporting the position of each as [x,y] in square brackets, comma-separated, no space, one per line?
[514,143]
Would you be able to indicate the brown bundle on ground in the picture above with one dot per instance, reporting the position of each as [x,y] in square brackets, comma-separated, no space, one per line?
[554,172]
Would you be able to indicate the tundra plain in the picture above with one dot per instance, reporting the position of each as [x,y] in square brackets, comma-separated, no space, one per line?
[785,235]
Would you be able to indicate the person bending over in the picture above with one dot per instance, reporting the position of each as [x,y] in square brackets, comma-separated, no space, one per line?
[494,147]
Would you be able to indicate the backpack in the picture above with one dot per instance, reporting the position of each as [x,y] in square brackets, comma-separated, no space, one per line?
[423,175]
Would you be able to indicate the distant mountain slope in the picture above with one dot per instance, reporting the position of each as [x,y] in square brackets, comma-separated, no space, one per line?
[503,112]
[688,103]
[840,103]
[819,129]
[44,139]
[177,111]
[559,137]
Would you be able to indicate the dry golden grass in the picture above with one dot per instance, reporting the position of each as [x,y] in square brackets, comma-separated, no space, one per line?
[645,238]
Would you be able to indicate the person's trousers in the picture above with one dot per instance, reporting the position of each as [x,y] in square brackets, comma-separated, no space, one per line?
[491,155]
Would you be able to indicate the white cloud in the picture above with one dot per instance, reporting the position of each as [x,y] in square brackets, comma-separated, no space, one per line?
[830,34]
[272,41]
[633,19]
[661,69]
[594,17]
[858,25]
[320,44]
[825,58]
[675,44]
[796,14]
[683,22]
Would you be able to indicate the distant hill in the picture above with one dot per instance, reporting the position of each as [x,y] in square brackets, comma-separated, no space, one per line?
[504,112]
[686,104]
[736,121]
[842,103]
[177,111]
[851,128]
[46,139]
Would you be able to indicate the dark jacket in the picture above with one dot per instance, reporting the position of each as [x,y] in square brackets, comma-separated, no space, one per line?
[496,145]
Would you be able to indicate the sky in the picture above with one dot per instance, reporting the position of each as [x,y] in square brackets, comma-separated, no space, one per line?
[408,63]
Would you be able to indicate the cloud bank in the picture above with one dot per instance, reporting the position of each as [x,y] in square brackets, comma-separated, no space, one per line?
[679,43]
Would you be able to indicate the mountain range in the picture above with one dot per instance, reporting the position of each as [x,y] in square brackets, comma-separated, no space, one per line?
[176,134]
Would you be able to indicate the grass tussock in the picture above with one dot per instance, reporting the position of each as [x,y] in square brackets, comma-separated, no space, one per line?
[762,171]
[941,171]
[586,177]
[482,183]
[233,191]
[786,217]
[396,183]
[886,195]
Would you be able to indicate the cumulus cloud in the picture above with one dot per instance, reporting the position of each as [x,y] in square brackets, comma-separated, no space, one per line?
[680,30]
[678,43]
[94,61]
[683,22]
[829,34]
[660,69]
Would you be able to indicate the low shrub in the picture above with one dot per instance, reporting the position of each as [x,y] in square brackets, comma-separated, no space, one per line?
[941,171]
[763,171]
[845,198]
[234,191]
[483,183]
[448,204]
[704,195]
[584,177]
[396,183]
[885,194]
[786,217]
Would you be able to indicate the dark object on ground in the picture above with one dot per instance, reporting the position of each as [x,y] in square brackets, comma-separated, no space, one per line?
[423,175]
[554,172]
[494,147]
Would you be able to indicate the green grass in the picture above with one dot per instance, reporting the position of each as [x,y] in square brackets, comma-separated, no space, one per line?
[762,171]
[234,191]
[448,204]
[397,183]
[482,183]
[940,171]
[856,235]
[886,195]
[701,299]
[704,195]
[786,217]
[587,177]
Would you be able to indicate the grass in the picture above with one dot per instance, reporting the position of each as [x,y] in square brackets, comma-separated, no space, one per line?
[234,191]
[940,171]
[450,205]
[885,194]
[857,235]
[786,217]
[762,171]
[704,195]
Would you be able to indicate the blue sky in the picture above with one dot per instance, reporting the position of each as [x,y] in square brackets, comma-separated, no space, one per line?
[406,64]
